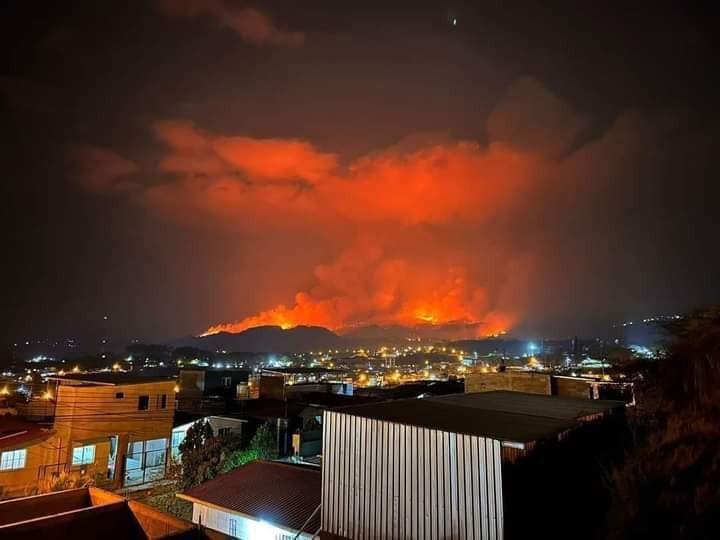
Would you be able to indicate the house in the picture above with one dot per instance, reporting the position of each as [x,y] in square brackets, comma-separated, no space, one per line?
[262,500]
[91,513]
[25,447]
[114,428]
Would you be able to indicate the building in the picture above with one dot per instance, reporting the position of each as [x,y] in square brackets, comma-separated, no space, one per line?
[262,500]
[549,385]
[25,448]
[410,468]
[91,513]
[112,428]
[221,425]
[433,467]
[277,383]
[206,390]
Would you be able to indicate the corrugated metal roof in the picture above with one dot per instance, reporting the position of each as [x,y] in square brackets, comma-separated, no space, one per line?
[560,408]
[509,416]
[16,433]
[279,493]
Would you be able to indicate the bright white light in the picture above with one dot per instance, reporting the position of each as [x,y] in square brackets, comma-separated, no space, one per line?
[262,530]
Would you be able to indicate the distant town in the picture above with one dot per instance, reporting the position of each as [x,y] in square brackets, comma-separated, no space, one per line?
[141,422]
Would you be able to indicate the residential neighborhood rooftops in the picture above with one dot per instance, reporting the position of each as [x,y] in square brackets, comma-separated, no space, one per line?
[509,416]
[279,493]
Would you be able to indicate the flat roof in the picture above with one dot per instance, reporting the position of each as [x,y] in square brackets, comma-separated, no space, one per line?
[503,415]
[279,493]
[110,378]
[303,370]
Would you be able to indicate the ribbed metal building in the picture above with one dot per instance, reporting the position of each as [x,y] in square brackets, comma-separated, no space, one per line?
[384,479]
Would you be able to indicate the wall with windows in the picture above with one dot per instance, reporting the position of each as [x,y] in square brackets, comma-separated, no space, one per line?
[20,466]
[111,418]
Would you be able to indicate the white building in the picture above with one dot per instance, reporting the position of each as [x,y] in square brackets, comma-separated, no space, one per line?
[264,500]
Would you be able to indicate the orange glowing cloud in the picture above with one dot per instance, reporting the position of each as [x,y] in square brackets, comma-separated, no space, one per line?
[425,235]
[365,286]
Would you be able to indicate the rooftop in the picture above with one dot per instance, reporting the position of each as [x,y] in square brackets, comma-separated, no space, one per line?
[108,378]
[278,493]
[90,513]
[303,370]
[510,416]
[18,433]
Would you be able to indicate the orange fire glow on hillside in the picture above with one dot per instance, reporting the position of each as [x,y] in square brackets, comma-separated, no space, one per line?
[363,287]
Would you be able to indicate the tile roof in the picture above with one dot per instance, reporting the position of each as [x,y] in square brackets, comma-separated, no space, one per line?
[279,493]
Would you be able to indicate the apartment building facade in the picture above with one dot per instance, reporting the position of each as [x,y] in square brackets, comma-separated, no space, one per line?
[114,430]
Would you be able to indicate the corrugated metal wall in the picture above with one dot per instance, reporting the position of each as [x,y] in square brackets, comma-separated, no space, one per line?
[387,480]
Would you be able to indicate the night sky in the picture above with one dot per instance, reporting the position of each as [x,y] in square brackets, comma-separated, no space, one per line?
[184,164]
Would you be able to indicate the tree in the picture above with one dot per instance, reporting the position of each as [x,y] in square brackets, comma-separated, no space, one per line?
[202,454]
[669,484]
[196,436]
[262,446]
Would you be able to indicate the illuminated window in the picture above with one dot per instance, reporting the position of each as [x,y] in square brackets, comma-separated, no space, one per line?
[15,459]
[226,382]
[82,455]
[232,527]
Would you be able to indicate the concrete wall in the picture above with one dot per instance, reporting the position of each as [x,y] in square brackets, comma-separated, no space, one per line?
[516,381]
[570,387]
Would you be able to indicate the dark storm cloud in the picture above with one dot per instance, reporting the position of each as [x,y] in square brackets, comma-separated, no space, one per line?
[251,24]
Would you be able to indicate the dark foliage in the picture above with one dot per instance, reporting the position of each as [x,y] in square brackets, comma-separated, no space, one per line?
[669,484]
[202,454]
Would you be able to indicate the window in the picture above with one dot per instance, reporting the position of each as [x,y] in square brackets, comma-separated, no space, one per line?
[145,461]
[226,382]
[143,403]
[177,438]
[155,452]
[163,401]
[119,395]
[224,431]
[232,527]
[14,459]
[82,455]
